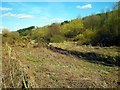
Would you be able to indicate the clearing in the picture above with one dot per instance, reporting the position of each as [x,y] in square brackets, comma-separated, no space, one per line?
[60,65]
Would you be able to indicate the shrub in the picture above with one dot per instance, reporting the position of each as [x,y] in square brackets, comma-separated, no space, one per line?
[57,38]
[10,37]
[86,37]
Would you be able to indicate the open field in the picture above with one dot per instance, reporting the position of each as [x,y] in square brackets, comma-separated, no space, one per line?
[47,68]
[60,45]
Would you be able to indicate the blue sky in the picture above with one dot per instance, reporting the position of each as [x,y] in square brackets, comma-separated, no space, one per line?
[17,15]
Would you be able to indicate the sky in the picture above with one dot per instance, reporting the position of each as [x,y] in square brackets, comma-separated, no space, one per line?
[18,15]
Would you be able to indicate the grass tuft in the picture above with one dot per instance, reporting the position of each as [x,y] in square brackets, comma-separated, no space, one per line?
[32,59]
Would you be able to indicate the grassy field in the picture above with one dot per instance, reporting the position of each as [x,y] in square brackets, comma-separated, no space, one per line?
[44,68]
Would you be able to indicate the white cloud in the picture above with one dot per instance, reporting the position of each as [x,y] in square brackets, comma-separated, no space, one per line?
[20,16]
[85,6]
[5,9]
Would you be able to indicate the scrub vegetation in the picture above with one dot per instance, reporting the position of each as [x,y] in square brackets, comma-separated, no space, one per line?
[80,53]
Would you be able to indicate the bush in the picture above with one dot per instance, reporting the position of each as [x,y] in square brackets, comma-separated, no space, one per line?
[10,37]
[57,38]
[72,28]
[86,37]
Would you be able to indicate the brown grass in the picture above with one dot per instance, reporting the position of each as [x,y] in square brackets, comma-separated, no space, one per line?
[48,69]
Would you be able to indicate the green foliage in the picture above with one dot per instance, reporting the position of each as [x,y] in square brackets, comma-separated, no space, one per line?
[47,34]
[64,22]
[110,30]
[92,22]
[5,32]
[32,59]
[109,34]
[106,27]
[10,37]
[25,31]
[72,33]
[100,29]
[86,37]
[72,28]
[39,35]
[53,77]
[54,34]
[57,38]
[53,29]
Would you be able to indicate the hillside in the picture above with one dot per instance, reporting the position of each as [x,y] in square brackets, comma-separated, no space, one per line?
[79,53]
[98,29]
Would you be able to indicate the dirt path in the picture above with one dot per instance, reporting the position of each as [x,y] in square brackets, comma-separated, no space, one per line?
[89,56]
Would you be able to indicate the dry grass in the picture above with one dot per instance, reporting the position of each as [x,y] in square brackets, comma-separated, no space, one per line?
[50,69]
[112,51]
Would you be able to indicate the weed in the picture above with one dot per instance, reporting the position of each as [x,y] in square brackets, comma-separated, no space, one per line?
[32,59]
[53,77]
[58,66]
